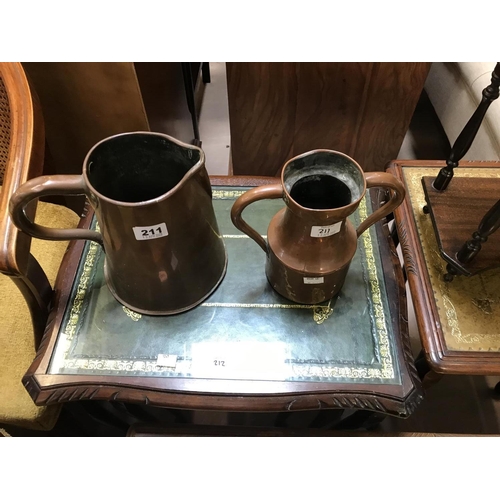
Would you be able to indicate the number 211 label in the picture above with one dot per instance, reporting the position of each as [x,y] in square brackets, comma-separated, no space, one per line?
[325,231]
[150,232]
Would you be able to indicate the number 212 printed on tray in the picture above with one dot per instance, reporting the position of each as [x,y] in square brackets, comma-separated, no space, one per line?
[150,232]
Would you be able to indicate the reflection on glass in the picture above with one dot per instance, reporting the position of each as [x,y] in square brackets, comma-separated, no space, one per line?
[245,330]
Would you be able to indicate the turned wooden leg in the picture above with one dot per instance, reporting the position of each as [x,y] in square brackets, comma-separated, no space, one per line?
[488,225]
[468,134]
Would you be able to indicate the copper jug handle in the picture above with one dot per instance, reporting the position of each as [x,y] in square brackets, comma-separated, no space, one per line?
[268,192]
[48,185]
[383,180]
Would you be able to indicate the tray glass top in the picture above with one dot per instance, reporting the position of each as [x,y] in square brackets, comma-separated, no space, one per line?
[244,330]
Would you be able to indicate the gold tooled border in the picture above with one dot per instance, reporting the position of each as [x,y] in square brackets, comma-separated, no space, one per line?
[81,291]
[378,308]
[320,314]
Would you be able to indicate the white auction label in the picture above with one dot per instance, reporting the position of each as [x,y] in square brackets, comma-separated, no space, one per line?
[150,232]
[324,231]
[244,360]
[167,360]
[314,281]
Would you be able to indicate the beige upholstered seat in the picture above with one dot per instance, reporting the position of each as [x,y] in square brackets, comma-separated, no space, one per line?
[17,342]
[25,292]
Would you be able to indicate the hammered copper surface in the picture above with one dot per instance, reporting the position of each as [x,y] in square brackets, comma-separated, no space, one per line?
[303,265]
[153,201]
[468,307]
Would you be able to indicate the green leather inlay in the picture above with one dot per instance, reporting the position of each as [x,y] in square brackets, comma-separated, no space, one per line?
[244,330]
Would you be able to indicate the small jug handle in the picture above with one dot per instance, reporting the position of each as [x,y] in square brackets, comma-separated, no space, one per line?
[44,186]
[268,192]
[383,180]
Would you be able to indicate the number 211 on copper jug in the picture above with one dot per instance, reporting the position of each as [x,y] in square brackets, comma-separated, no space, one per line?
[152,199]
[310,242]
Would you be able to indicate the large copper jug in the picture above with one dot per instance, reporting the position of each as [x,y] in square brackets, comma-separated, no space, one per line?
[152,199]
[310,243]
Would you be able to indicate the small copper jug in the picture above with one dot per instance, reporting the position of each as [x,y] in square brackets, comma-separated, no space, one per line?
[153,201]
[310,242]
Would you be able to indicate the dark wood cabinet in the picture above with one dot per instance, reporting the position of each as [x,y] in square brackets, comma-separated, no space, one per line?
[83,103]
[279,110]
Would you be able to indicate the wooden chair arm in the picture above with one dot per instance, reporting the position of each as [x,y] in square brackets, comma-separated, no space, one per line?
[25,160]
